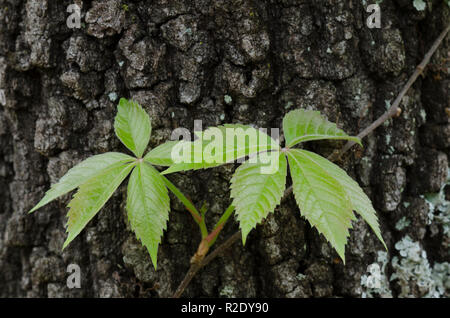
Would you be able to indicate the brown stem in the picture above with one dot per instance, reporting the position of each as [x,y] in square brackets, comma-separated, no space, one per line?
[391,112]
[187,279]
[214,233]
[199,264]
[222,247]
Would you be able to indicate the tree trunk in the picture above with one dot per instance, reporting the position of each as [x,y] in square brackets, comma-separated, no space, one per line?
[236,61]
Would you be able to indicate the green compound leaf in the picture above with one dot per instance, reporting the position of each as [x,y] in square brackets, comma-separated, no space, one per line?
[359,200]
[256,194]
[81,173]
[133,127]
[190,157]
[234,141]
[92,195]
[321,199]
[161,155]
[305,125]
[221,145]
[148,207]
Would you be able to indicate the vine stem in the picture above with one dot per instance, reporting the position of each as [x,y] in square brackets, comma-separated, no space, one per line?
[195,267]
[390,113]
[196,215]
[220,224]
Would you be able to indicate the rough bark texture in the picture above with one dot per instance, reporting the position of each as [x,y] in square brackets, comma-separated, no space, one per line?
[222,61]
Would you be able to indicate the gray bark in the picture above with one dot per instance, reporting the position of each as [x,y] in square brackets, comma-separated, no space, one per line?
[179,59]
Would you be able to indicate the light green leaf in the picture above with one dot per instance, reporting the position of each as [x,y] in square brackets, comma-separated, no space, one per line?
[161,155]
[237,142]
[359,200]
[224,144]
[305,125]
[81,173]
[322,200]
[190,157]
[256,194]
[133,127]
[148,207]
[92,195]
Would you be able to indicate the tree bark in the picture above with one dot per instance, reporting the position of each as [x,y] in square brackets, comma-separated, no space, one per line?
[237,61]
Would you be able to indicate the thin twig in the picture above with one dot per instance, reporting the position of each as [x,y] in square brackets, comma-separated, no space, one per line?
[195,267]
[222,247]
[187,279]
[395,109]
[391,112]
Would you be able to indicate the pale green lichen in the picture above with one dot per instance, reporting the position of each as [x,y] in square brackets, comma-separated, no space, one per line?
[413,273]
[441,276]
[112,96]
[387,103]
[288,105]
[402,224]
[423,115]
[227,291]
[301,276]
[227,99]
[376,284]
[420,5]
[439,209]
[388,139]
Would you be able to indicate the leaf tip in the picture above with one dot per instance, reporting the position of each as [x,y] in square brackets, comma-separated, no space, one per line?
[155,265]
[384,243]
[122,101]
[154,257]
[167,171]
[66,243]
[33,209]
[358,141]
[39,205]
[341,253]
[244,235]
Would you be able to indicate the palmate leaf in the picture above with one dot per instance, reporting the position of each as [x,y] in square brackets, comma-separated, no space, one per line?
[194,158]
[92,195]
[224,144]
[148,207]
[359,200]
[133,127]
[305,125]
[81,173]
[237,140]
[256,194]
[322,200]
[161,155]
